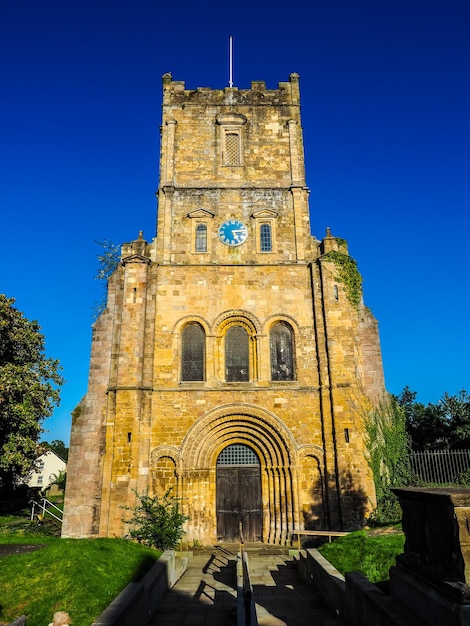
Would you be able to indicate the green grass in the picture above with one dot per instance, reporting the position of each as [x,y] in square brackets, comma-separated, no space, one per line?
[371,554]
[80,576]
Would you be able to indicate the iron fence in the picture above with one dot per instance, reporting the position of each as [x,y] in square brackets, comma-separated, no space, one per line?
[440,466]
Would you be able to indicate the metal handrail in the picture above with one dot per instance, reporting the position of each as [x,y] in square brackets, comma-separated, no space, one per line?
[246,612]
[43,507]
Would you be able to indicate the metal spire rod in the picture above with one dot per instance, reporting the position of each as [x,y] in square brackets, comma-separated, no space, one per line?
[230,81]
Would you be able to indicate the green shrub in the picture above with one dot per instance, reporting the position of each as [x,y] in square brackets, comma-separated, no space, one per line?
[157,521]
[373,556]
[463,479]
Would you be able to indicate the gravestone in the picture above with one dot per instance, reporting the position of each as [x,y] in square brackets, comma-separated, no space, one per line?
[432,577]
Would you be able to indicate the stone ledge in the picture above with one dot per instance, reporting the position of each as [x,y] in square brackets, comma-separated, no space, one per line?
[358,601]
[137,602]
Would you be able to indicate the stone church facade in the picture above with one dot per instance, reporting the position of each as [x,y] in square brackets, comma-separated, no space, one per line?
[235,356]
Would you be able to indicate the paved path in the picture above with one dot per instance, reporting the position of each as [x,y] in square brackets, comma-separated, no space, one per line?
[206,594]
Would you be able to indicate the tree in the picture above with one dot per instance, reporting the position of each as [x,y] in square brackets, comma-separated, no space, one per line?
[60,480]
[29,391]
[441,426]
[457,412]
[427,425]
[59,448]
[107,263]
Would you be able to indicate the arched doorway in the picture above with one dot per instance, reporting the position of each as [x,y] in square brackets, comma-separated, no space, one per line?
[238,496]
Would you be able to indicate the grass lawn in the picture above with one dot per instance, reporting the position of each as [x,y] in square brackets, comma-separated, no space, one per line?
[80,576]
[371,553]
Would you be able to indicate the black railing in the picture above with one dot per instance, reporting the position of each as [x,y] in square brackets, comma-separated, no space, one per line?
[246,608]
[440,466]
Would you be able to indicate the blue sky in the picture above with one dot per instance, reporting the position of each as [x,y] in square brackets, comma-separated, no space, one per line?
[386,118]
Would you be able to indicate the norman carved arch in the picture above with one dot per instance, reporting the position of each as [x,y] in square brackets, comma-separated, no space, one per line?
[236,316]
[239,423]
[165,470]
[236,335]
[273,443]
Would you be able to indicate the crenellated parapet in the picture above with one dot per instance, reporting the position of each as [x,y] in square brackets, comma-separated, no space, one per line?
[287,93]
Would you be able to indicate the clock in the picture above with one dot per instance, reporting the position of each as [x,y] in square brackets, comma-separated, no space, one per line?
[233,233]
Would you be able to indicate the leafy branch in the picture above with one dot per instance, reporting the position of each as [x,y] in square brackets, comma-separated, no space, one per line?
[107,263]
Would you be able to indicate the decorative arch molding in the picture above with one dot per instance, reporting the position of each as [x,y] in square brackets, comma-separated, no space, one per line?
[311,450]
[236,119]
[165,451]
[236,316]
[257,428]
[281,317]
[189,319]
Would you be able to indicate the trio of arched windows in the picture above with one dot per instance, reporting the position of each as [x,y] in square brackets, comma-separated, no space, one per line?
[237,353]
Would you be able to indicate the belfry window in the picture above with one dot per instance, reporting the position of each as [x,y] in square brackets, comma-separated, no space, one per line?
[282,358]
[265,238]
[201,238]
[237,355]
[232,148]
[193,353]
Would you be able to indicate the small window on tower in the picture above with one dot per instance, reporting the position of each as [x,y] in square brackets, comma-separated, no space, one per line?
[201,238]
[232,152]
[265,239]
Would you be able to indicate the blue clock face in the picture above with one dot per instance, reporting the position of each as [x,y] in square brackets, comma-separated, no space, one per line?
[233,233]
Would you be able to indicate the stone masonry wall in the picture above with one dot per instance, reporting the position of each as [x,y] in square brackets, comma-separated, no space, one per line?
[142,428]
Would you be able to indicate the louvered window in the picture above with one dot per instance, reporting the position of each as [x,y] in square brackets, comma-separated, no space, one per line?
[237,454]
[201,238]
[193,348]
[232,148]
[236,355]
[282,358]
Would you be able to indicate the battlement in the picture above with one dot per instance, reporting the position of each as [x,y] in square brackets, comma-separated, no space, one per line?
[287,93]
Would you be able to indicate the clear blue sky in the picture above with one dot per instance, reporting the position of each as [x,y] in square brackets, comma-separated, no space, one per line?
[386,118]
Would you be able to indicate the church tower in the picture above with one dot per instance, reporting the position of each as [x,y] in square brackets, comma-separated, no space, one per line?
[235,357]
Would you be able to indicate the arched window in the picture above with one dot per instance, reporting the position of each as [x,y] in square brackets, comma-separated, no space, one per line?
[201,238]
[192,352]
[282,357]
[265,239]
[236,355]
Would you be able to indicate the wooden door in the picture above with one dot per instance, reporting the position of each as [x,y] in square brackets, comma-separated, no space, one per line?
[239,500]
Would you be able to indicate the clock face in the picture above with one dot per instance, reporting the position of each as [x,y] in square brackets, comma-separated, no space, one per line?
[233,233]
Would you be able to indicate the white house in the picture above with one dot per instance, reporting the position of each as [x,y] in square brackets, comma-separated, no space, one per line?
[48,467]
